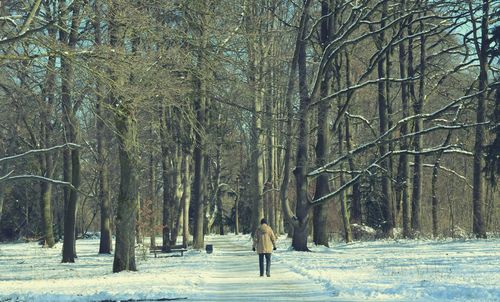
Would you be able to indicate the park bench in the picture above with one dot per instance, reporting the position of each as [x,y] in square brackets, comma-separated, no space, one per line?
[176,251]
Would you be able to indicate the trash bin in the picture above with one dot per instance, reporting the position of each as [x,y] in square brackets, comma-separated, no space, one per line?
[209,248]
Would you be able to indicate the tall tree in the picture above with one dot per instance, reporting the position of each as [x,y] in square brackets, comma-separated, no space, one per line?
[165,173]
[387,225]
[200,107]
[126,131]
[343,197]
[320,215]
[300,230]
[255,78]
[417,184]
[418,103]
[69,108]
[481,45]
[402,189]
[105,241]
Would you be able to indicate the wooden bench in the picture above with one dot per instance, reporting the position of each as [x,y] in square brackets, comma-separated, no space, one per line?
[173,250]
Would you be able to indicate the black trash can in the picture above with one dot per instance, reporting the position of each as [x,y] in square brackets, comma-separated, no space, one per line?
[209,248]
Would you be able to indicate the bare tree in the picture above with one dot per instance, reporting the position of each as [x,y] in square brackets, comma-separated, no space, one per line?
[481,47]
[70,107]
[126,131]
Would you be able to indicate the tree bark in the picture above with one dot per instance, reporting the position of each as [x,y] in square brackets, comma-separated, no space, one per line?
[236,208]
[386,204]
[416,187]
[152,197]
[105,240]
[356,207]
[402,189]
[434,197]
[186,199]
[166,186]
[178,193]
[295,225]
[257,139]
[481,45]
[320,213]
[300,229]
[356,213]
[46,159]
[127,197]
[200,108]
[418,103]
[124,258]
[46,196]
[199,173]
[71,125]
[343,196]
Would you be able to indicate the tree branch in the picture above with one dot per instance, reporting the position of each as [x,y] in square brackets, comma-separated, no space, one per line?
[36,177]
[13,157]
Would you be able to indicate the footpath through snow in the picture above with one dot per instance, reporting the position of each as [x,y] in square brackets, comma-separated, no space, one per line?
[450,270]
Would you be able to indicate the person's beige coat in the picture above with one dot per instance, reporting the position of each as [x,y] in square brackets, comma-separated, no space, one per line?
[264,239]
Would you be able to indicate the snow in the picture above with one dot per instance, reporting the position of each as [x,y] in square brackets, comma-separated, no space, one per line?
[405,270]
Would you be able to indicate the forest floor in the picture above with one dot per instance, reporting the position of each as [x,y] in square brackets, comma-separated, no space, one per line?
[405,270]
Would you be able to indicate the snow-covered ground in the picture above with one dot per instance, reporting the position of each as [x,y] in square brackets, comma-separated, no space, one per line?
[448,270]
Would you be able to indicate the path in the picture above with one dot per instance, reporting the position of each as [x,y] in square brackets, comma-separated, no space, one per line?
[234,276]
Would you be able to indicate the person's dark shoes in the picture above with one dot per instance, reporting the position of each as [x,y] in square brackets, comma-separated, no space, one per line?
[261,275]
[269,275]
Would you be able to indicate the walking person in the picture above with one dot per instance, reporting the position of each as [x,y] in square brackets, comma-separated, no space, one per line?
[264,242]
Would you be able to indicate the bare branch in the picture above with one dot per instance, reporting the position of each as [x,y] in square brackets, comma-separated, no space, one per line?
[13,157]
[449,171]
[6,176]
[364,120]
[37,177]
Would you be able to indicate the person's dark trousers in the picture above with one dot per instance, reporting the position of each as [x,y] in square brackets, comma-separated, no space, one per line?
[268,264]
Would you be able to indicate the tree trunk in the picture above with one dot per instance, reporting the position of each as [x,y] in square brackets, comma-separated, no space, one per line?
[257,139]
[417,143]
[320,214]
[390,113]
[46,196]
[71,125]
[481,44]
[297,224]
[186,199]
[300,230]
[139,236]
[236,208]
[152,197]
[271,158]
[356,213]
[124,258]
[127,198]
[199,174]
[200,108]
[46,133]
[402,190]
[343,196]
[105,240]
[386,204]
[178,193]
[166,201]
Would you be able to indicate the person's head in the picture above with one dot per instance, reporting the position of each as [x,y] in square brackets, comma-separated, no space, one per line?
[263,221]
